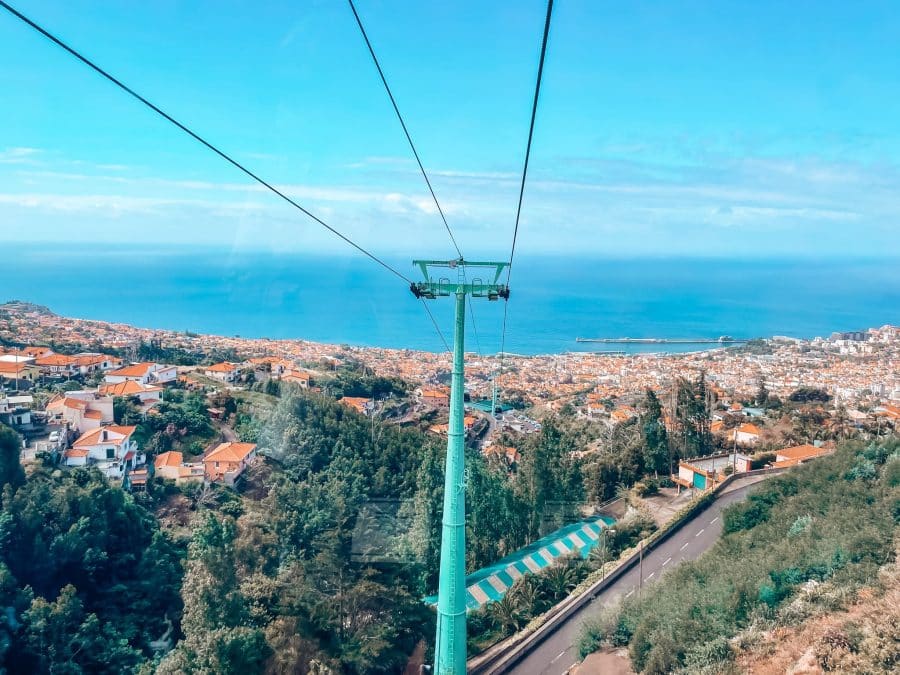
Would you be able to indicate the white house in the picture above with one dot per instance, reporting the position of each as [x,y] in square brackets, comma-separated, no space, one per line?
[16,358]
[111,449]
[277,367]
[90,362]
[144,373]
[57,364]
[83,410]
[15,411]
[148,394]
[226,372]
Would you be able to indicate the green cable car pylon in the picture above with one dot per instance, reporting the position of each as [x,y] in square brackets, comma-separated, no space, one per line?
[450,643]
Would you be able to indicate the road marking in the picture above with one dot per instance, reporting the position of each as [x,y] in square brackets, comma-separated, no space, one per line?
[629,593]
[700,532]
[684,546]
[649,576]
[557,657]
[713,520]
[668,560]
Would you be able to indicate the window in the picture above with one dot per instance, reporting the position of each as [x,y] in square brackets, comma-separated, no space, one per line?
[110,453]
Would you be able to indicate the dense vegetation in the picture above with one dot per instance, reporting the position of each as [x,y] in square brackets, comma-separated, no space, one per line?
[831,520]
[179,422]
[87,580]
[642,446]
[323,563]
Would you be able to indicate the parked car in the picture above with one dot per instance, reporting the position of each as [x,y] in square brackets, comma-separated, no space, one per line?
[54,437]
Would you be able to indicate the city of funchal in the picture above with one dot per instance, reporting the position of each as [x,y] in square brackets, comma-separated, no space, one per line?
[260,414]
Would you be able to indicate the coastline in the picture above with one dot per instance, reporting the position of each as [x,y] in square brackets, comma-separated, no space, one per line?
[548,380]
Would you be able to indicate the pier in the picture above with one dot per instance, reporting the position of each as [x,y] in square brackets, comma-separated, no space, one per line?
[723,340]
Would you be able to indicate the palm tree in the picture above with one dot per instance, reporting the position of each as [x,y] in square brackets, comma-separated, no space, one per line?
[506,613]
[841,424]
[527,595]
[559,580]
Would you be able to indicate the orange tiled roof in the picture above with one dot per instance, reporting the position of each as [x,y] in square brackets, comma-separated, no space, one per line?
[357,402]
[126,388]
[37,351]
[9,368]
[92,437]
[55,360]
[230,452]
[170,458]
[89,359]
[221,368]
[134,370]
[800,452]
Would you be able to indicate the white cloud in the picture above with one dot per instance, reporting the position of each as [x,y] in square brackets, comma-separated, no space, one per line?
[636,205]
[19,155]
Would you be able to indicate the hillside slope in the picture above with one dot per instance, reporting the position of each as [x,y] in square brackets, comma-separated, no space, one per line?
[813,542]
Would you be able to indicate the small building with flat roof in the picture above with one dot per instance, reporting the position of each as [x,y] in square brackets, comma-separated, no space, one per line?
[706,472]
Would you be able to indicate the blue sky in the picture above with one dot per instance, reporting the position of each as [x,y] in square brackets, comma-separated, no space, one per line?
[665,128]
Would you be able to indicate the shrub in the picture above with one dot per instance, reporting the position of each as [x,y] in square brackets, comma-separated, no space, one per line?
[711,653]
[864,469]
[800,525]
[891,472]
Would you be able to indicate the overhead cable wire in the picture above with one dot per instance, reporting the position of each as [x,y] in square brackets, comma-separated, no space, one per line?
[436,327]
[474,329]
[403,124]
[534,105]
[71,50]
[412,146]
[199,138]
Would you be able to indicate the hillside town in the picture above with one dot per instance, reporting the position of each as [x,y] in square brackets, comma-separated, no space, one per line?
[62,378]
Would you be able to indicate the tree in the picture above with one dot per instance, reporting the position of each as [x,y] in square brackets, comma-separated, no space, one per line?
[558,580]
[809,395]
[11,472]
[127,410]
[217,638]
[692,419]
[841,425]
[762,393]
[506,613]
[656,439]
[60,638]
[86,576]
[549,477]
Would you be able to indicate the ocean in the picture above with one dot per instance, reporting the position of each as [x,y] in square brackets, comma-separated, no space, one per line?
[350,300]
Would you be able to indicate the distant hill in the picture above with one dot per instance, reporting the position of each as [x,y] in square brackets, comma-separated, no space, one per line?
[23,307]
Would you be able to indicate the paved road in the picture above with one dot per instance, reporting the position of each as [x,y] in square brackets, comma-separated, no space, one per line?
[559,651]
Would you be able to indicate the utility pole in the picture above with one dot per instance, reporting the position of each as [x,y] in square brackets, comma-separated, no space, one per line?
[450,645]
[641,569]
